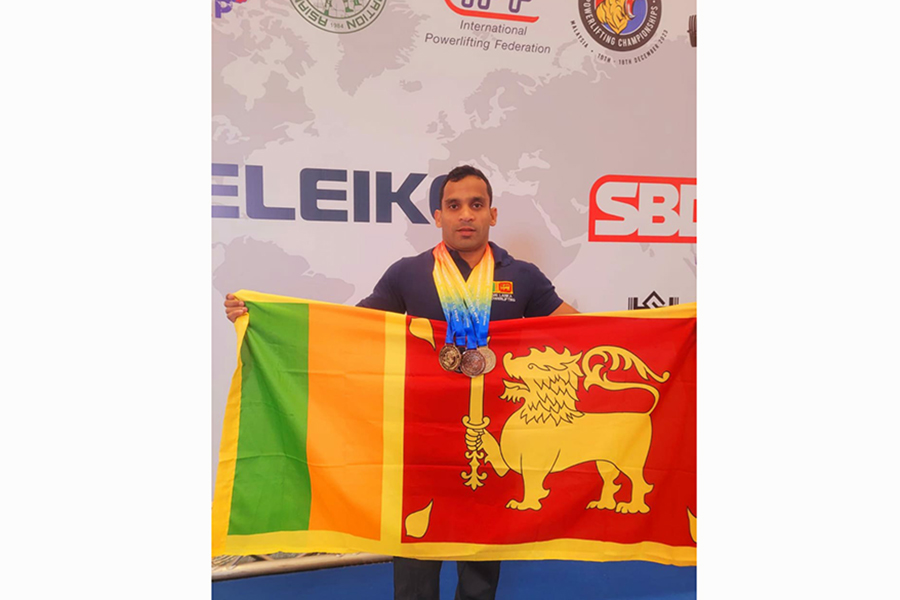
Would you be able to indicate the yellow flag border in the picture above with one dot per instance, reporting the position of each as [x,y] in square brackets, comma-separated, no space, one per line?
[221,509]
[678,311]
[333,542]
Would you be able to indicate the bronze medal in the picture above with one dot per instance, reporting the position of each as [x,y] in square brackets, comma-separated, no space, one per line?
[490,359]
[472,363]
[449,357]
[461,350]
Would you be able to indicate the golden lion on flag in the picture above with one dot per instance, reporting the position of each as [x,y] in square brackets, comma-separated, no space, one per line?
[549,434]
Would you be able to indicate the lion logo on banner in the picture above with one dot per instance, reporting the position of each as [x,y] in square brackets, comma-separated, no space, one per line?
[549,434]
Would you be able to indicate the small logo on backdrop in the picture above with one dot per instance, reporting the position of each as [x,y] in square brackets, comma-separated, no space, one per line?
[506,10]
[620,26]
[654,300]
[224,6]
[491,25]
[340,16]
[628,208]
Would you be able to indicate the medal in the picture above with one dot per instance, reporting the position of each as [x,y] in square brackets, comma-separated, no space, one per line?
[449,357]
[472,363]
[490,359]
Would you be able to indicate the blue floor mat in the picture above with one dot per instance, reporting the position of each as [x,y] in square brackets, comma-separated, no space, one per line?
[519,580]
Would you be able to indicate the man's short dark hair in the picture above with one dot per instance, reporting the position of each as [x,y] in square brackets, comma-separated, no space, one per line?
[462,172]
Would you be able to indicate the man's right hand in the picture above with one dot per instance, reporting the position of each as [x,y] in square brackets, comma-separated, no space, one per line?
[234,307]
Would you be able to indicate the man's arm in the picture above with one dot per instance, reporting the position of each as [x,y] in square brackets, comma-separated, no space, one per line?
[544,301]
[564,309]
[386,295]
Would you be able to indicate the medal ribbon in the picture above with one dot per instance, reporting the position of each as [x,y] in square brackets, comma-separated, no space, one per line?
[459,324]
[466,304]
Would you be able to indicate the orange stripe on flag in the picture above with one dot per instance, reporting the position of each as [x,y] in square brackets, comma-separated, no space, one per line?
[346,410]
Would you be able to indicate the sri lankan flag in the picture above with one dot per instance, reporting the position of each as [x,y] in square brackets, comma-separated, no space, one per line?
[343,434]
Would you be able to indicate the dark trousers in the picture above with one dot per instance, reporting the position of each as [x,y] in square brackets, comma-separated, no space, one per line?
[421,579]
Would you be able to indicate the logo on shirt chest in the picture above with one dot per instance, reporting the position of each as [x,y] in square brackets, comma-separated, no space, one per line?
[503,291]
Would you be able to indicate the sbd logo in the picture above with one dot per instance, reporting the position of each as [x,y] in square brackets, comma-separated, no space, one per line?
[626,208]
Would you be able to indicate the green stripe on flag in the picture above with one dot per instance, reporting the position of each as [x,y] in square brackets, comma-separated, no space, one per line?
[271,478]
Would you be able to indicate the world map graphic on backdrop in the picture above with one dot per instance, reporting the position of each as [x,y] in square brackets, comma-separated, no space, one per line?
[400,96]
[271,264]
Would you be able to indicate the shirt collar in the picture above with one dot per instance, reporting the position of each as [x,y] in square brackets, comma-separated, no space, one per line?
[501,256]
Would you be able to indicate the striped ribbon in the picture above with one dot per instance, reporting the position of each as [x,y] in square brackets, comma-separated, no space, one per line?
[466,304]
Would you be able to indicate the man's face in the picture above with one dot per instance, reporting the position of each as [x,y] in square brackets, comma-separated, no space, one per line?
[465,216]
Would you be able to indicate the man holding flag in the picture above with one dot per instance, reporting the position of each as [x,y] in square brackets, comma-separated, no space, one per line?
[466,281]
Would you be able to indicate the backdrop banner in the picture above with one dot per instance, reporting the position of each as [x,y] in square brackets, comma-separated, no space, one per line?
[334,123]
[343,433]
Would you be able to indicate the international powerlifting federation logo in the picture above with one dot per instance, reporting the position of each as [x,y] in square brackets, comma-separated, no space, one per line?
[340,16]
[620,25]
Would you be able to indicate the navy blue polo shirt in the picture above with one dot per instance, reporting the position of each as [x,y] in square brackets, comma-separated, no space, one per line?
[520,289]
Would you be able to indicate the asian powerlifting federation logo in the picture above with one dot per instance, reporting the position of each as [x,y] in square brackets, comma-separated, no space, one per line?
[340,16]
[620,25]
